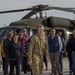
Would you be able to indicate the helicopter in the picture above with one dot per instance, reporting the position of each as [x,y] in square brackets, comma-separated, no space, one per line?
[61,24]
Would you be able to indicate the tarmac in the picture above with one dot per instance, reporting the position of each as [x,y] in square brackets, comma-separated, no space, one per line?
[65,68]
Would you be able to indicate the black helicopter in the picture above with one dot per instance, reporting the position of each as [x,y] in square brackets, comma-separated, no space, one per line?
[31,23]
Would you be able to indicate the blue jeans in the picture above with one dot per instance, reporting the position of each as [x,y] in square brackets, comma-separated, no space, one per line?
[5,65]
[73,63]
[70,61]
[61,60]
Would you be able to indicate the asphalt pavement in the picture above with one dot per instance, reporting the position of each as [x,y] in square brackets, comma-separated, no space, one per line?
[65,68]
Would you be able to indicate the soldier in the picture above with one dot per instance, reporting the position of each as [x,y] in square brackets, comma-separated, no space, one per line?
[37,47]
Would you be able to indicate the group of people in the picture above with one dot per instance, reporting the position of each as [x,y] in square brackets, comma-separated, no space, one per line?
[14,52]
[30,52]
[51,46]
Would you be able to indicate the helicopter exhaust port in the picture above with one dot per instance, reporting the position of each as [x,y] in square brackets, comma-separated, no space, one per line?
[58,22]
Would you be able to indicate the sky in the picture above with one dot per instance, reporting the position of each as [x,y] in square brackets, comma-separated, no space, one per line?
[6,19]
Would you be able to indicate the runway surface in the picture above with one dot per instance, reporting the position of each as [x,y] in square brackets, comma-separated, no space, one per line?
[65,68]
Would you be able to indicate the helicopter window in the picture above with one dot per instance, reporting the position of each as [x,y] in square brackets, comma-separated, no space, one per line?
[28,31]
[46,32]
[34,31]
[18,31]
[9,30]
[2,32]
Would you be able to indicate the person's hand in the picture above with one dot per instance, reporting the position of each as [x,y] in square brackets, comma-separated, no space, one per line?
[30,63]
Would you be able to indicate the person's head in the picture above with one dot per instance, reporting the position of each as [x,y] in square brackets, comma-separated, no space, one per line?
[73,33]
[24,32]
[59,33]
[4,38]
[70,35]
[52,32]
[40,28]
[15,38]
[9,36]
[21,35]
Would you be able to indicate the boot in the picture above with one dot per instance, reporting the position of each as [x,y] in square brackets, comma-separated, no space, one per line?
[53,73]
[60,73]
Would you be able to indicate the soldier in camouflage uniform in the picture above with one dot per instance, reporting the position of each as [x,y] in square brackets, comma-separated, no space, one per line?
[38,46]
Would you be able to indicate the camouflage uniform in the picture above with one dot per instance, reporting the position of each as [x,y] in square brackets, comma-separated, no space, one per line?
[38,46]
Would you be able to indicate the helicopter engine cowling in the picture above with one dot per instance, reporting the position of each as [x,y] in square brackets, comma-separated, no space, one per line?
[57,22]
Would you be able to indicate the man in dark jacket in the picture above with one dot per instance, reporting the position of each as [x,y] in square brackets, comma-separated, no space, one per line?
[71,50]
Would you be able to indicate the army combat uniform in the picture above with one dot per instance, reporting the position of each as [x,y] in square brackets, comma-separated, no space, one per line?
[37,47]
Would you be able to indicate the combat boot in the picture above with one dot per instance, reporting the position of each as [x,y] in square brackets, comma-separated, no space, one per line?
[60,73]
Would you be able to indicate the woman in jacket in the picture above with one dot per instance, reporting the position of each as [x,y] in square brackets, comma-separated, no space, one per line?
[15,55]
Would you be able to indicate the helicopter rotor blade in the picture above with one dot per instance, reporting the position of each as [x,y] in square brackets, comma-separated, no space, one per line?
[40,8]
[59,8]
[18,10]
[63,9]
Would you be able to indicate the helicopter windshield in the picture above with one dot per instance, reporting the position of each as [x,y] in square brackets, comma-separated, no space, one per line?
[2,31]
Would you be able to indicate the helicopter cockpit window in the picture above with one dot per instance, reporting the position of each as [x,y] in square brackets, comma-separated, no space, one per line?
[34,31]
[9,30]
[28,31]
[18,31]
[2,32]
[46,32]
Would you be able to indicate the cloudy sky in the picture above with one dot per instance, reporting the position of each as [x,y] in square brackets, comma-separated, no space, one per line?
[6,19]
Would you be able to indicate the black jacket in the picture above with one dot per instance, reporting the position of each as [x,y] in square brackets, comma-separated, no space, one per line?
[15,50]
[70,47]
[6,45]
